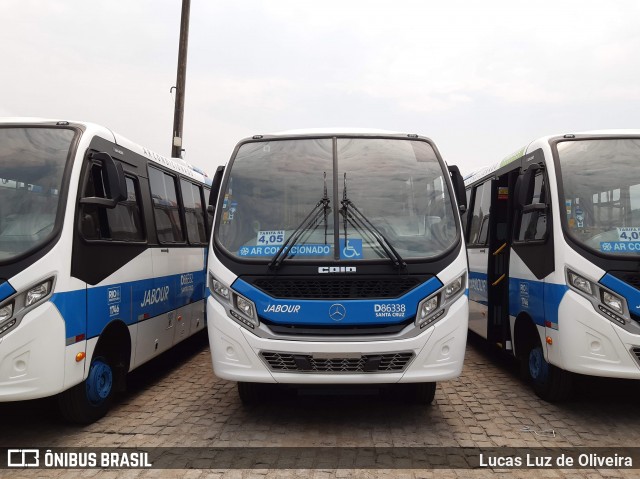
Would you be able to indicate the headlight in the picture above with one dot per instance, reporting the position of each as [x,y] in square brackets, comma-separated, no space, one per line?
[245,306]
[241,309]
[613,301]
[599,297]
[6,312]
[452,288]
[428,307]
[434,307]
[580,283]
[36,293]
[220,289]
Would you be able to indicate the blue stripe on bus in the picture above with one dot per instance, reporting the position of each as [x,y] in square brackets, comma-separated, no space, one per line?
[356,312]
[539,299]
[631,294]
[89,311]
[6,290]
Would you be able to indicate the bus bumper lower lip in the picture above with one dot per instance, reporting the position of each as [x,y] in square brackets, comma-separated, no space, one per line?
[439,356]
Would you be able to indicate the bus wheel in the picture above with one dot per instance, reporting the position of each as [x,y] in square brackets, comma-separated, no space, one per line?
[91,399]
[417,393]
[250,393]
[424,393]
[549,382]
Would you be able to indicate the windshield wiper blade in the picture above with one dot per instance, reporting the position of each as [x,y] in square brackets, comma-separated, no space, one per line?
[349,210]
[319,210]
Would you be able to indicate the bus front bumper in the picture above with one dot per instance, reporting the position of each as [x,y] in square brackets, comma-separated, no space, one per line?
[438,352]
[34,361]
[586,342]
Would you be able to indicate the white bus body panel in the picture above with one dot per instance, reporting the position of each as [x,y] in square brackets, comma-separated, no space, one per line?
[37,359]
[439,350]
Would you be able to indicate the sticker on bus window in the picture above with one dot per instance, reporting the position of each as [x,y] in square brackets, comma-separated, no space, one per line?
[630,233]
[306,250]
[268,238]
[628,246]
[351,249]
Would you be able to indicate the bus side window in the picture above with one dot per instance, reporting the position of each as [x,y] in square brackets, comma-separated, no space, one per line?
[193,212]
[533,224]
[480,217]
[122,223]
[166,208]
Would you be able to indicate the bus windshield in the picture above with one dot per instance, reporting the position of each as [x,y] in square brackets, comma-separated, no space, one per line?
[390,194]
[32,162]
[601,183]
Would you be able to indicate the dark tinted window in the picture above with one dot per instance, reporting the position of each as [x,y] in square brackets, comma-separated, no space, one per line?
[165,206]
[122,223]
[480,217]
[533,224]
[193,212]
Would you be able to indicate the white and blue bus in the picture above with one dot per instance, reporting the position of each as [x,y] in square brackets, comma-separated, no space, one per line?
[553,237]
[102,260]
[338,258]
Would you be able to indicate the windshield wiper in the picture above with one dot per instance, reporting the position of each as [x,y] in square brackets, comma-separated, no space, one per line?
[350,211]
[319,210]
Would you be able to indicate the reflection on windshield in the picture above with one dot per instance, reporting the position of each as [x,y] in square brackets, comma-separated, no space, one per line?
[32,162]
[601,182]
[397,184]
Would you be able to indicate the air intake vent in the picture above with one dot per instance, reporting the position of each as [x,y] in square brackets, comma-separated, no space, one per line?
[336,288]
[305,363]
[632,278]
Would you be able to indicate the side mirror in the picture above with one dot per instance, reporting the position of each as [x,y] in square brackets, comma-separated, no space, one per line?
[526,185]
[215,189]
[114,181]
[458,187]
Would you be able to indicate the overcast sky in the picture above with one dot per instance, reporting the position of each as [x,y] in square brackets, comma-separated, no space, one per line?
[481,79]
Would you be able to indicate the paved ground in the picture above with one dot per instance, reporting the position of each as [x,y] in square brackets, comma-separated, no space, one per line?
[176,401]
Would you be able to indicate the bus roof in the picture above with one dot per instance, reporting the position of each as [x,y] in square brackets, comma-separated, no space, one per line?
[487,170]
[176,164]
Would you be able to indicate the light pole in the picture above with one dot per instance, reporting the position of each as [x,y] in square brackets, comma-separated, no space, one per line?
[178,116]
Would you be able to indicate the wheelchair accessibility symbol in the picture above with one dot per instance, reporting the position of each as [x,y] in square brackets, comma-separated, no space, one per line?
[351,248]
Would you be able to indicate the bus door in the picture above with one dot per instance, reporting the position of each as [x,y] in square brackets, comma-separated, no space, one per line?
[498,249]
[477,253]
[488,250]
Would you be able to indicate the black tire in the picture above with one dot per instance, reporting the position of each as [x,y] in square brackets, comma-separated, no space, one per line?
[416,393]
[91,399]
[251,393]
[424,393]
[550,382]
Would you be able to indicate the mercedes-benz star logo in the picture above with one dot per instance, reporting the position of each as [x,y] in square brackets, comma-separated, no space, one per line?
[337,312]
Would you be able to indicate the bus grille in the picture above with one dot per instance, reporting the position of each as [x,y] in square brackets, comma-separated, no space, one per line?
[305,363]
[631,278]
[636,352]
[336,288]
